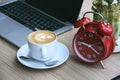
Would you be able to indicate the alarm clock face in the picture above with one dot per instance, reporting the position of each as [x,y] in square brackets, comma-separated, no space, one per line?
[88,47]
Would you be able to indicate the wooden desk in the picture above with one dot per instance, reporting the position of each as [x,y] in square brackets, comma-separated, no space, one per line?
[72,69]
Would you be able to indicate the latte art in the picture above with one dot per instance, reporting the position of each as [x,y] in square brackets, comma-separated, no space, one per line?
[41,37]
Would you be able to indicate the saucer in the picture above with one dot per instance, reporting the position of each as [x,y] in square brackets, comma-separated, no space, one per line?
[62,55]
[117,48]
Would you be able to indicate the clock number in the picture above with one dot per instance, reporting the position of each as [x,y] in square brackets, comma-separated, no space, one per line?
[81,38]
[85,35]
[94,56]
[90,35]
[78,43]
[83,53]
[80,48]
[100,48]
[96,37]
[89,56]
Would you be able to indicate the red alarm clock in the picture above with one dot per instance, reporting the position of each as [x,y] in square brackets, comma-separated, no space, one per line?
[94,41]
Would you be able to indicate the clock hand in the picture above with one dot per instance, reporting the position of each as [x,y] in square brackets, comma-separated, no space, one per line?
[95,43]
[84,44]
[94,50]
[90,46]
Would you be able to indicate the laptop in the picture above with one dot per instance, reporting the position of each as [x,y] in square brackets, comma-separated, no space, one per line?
[18,18]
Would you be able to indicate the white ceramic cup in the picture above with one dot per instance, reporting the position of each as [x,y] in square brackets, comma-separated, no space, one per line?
[42,44]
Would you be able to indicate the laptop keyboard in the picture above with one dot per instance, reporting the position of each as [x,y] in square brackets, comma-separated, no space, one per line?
[30,17]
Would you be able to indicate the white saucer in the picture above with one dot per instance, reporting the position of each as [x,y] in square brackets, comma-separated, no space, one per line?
[117,48]
[62,55]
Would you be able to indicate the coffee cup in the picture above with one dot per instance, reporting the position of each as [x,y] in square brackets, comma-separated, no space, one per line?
[42,44]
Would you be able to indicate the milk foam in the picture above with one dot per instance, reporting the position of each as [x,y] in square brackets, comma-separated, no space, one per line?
[41,37]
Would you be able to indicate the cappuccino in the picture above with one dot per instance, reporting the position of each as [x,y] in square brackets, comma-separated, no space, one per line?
[41,37]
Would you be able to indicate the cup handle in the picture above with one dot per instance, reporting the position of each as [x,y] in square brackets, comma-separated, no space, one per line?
[43,53]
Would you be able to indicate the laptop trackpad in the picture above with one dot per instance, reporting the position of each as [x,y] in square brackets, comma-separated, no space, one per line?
[7,26]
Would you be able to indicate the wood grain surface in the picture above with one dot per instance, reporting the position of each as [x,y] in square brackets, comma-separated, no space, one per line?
[72,69]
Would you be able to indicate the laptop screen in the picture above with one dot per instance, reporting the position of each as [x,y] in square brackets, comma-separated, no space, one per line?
[65,10]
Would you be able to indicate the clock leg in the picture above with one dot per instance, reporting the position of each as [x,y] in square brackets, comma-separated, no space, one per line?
[101,63]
